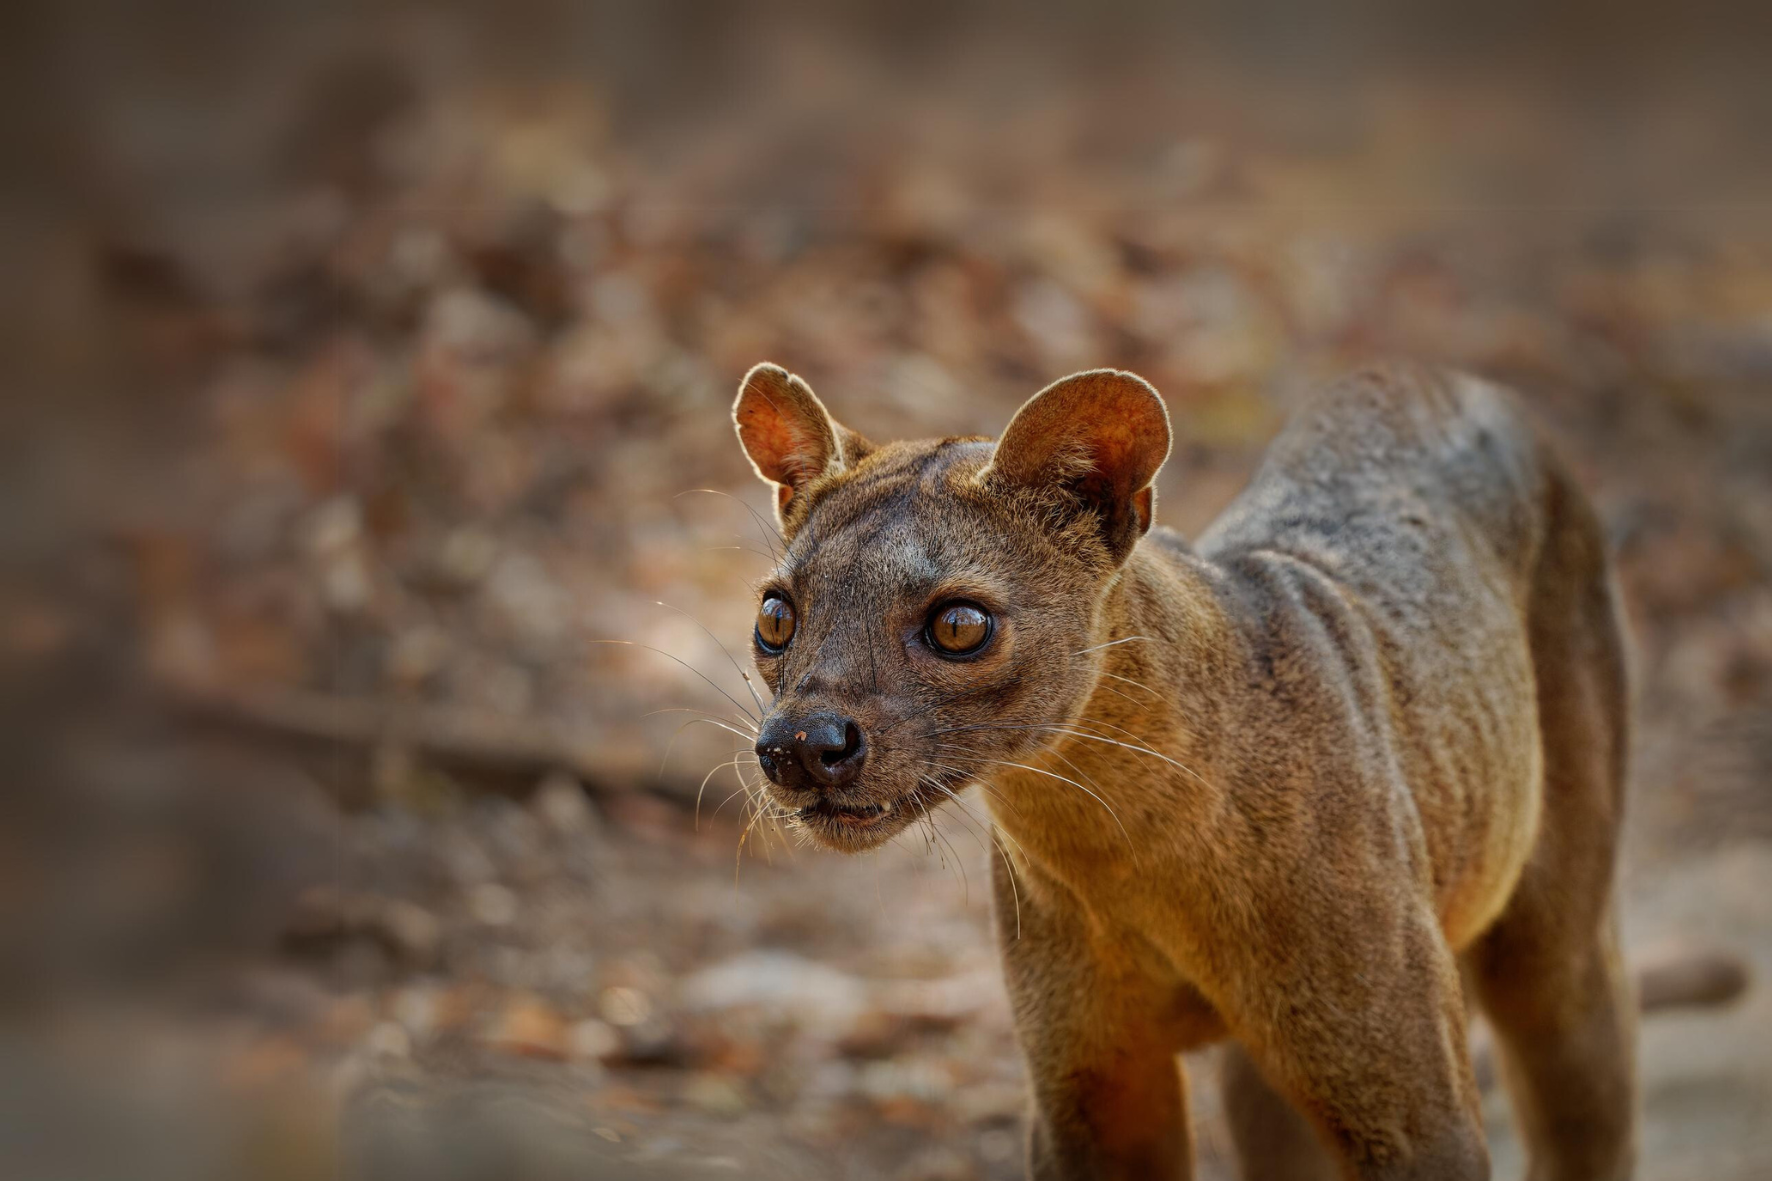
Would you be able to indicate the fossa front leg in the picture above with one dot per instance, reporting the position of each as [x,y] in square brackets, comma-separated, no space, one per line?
[1376,1057]
[1273,1139]
[1109,1101]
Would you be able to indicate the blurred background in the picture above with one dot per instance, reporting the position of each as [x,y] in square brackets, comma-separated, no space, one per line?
[367,361]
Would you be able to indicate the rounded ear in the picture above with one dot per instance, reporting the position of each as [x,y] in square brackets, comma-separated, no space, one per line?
[790,437]
[1097,439]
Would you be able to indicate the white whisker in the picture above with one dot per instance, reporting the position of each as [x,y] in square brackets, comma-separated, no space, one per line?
[1060,778]
[1109,644]
[648,647]
[1130,681]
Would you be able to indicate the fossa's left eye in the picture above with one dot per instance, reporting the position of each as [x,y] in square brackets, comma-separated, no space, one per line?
[959,629]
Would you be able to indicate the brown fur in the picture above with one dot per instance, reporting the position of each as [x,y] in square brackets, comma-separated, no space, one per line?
[1307,785]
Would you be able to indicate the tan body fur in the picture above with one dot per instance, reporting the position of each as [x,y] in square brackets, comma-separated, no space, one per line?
[1317,784]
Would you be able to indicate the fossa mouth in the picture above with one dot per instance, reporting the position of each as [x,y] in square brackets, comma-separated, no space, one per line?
[857,816]
[854,828]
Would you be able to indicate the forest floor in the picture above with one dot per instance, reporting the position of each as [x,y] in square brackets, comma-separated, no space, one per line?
[367,845]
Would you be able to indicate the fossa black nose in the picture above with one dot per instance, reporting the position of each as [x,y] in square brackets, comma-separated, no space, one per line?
[813,752]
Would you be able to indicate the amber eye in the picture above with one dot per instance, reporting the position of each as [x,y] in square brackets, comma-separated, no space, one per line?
[959,629]
[775,623]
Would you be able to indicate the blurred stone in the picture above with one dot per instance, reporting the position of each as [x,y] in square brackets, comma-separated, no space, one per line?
[418,258]
[324,916]
[529,598]
[334,525]
[624,1006]
[466,861]
[416,654]
[476,325]
[873,1034]
[566,969]
[416,1010]
[531,1028]
[410,930]
[593,1040]
[561,803]
[465,557]
[906,1078]
[786,986]
[346,584]
[716,1094]
[654,1042]
[493,904]
[936,1005]
[388,1040]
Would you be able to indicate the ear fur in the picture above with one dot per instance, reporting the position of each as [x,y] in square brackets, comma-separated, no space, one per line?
[1096,439]
[790,438]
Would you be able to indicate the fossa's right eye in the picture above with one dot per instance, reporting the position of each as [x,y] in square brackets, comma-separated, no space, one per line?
[959,629]
[775,623]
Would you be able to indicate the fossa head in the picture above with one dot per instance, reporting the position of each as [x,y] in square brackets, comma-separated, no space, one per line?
[932,611]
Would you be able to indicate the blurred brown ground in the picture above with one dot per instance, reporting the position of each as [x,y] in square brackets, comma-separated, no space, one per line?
[370,358]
